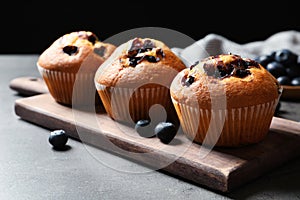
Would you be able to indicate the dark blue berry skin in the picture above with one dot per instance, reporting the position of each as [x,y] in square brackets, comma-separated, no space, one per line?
[295,81]
[286,57]
[282,64]
[70,50]
[272,54]
[276,69]
[165,131]
[144,128]
[58,139]
[264,60]
[293,71]
[284,80]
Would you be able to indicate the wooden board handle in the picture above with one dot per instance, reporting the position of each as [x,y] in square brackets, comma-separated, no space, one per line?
[28,86]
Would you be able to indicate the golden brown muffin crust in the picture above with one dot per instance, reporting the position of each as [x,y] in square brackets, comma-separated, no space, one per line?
[243,81]
[74,50]
[143,60]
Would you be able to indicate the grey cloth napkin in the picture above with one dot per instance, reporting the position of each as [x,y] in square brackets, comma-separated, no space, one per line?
[214,44]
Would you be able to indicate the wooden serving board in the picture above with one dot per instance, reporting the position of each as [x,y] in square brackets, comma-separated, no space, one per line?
[222,169]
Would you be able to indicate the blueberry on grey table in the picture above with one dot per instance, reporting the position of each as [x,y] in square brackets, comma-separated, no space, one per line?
[58,139]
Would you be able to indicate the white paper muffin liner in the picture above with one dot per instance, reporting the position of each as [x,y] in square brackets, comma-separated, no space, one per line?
[132,104]
[234,127]
[69,88]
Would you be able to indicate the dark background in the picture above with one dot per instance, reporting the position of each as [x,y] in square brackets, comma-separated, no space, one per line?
[29,27]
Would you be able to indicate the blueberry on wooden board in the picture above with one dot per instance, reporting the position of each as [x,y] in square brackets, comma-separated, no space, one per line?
[144,128]
[58,139]
[165,131]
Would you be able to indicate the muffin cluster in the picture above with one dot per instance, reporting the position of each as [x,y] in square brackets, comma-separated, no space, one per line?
[223,100]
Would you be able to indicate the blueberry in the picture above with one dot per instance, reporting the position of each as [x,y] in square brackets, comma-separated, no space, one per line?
[100,50]
[276,69]
[92,38]
[284,80]
[133,61]
[58,139]
[189,80]
[144,128]
[70,50]
[293,71]
[151,58]
[286,57]
[272,54]
[242,73]
[295,81]
[165,131]
[264,60]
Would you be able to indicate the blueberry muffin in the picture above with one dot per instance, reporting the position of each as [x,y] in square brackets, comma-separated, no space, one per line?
[225,100]
[137,76]
[69,64]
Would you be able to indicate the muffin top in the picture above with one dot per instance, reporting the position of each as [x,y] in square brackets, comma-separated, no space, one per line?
[237,80]
[79,49]
[140,61]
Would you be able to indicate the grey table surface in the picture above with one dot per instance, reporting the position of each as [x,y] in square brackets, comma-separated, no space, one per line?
[31,169]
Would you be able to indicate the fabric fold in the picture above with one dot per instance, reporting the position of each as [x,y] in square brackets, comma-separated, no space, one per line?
[213,44]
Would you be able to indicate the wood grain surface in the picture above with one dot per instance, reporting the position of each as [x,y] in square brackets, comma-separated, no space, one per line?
[221,169]
[28,86]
